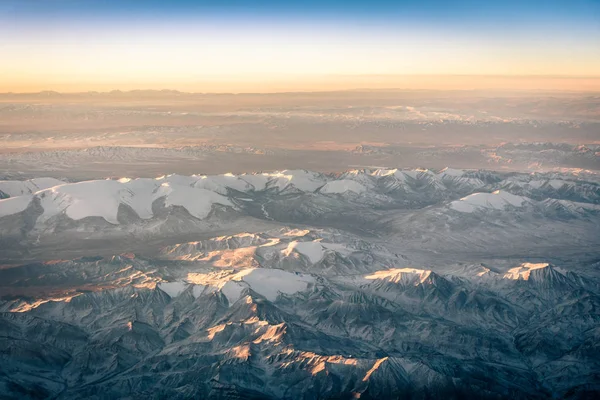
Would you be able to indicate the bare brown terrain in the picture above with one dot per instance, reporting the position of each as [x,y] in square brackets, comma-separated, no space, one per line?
[149,133]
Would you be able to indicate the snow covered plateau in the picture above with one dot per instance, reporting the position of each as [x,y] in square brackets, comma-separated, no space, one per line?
[369,283]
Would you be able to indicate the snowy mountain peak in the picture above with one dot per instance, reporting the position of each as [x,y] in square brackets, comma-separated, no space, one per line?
[31,186]
[174,204]
[405,276]
[303,180]
[343,186]
[102,198]
[314,251]
[269,283]
[497,200]
[524,271]
[384,172]
[451,172]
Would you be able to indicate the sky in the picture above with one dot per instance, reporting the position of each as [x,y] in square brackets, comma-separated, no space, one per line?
[268,45]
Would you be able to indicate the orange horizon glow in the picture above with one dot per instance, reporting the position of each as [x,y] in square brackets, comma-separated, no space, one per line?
[196,46]
[276,58]
[266,84]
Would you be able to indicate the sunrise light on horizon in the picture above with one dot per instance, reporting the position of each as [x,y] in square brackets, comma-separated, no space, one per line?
[77,46]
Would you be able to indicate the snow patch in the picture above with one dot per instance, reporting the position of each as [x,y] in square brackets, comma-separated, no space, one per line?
[173,289]
[198,202]
[84,199]
[400,275]
[102,198]
[198,290]
[220,183]
[271,282]
[296,232]
[257,181]
[233,291]
[557,183]
[343,186]
[451,172]
[417,173]
[384,172]
[498,200]
[311,250]
[14,205]
[523,271]
[20,188]
[303,180]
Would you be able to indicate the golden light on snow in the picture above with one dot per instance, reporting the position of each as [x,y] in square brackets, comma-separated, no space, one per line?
[374,368]
[25,307]
[241,352]
[395,275]
[523,271]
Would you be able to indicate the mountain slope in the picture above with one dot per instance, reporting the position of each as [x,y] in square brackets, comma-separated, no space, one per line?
[366,284]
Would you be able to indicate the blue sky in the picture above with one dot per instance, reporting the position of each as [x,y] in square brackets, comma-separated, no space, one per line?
[460,14]
[127,40]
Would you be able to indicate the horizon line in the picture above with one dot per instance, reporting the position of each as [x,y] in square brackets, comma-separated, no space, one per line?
[356,89]
[317,83]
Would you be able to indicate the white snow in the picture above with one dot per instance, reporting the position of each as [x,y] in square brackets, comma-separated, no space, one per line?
[398,175]
[573,205]
[417,173]
[462,206]
[257,181]
[173,289]
[233,290]
[303,180]
[198,202]
[102,198]
[19,188]
[497,200]
[312,250]
[343,186]
[539,183]
[300,179]
[14,205]
[363,178]
[271,282]
[451,172]
[266,282]
[401,275]
[141,194]
[197,290]
[296,232]
[523,271]
[84,199]
[337,247]
[220,183]
[557,183]
[401,175]
[176,179]
[384,172]
[406,178]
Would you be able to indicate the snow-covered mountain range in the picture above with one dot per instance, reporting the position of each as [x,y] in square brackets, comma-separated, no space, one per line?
[376,283]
